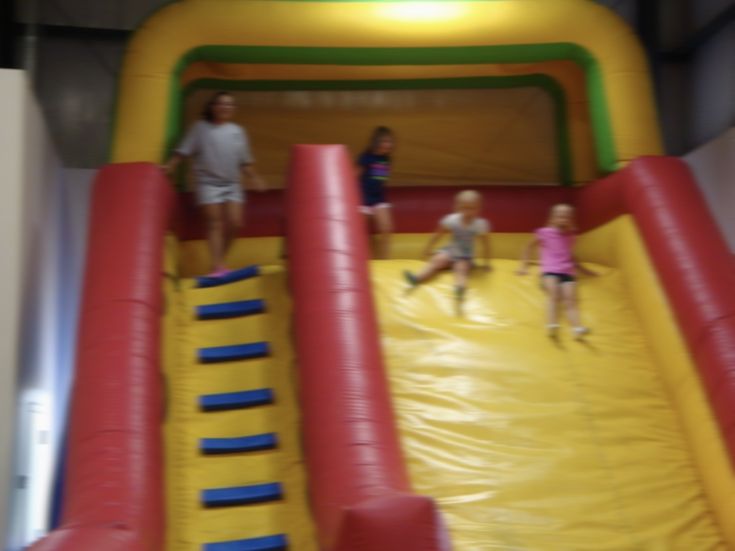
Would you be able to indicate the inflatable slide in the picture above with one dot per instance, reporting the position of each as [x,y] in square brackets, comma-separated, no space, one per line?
[310,400]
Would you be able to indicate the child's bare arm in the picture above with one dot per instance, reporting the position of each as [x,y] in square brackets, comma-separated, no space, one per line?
[170,166]
[528,250]
[252,176]
[438,234]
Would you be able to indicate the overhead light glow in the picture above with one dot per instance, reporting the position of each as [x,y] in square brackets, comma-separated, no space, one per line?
[417,12]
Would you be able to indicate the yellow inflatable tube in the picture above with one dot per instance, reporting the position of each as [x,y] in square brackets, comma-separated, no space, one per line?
[387,33]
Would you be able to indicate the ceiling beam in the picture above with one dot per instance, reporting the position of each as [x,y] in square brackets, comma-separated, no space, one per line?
[700,38]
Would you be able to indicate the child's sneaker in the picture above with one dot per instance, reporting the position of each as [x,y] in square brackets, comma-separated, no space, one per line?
[219,272]
[580,332]
[552,330]
[411,278]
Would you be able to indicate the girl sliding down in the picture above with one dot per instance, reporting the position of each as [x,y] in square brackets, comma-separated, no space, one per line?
[558,268]
[466,227]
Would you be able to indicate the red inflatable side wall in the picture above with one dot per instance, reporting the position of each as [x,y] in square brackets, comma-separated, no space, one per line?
[359,487]
[114,482]
[415,209]
[692,260]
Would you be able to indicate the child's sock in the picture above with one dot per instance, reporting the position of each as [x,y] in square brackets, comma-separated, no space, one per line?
[552,330]
[411,278]
[459,292]
[580,331]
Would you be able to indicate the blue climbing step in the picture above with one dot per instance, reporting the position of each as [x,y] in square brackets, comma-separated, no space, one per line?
[230,309]
[278,542]
[257,442]
[230,277]
[242,495]
[214,354]
[236,400]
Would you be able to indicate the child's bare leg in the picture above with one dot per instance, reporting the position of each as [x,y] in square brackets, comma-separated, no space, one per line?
[436,263]
[368,218]
[215,217]
[461,269]
[569,295]
[384,226]
[553,291]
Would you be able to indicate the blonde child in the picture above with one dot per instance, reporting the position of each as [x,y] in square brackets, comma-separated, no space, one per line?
[558,268]
[465,227]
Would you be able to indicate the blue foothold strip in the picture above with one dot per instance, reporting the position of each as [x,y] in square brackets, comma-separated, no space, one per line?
[233,352]
[278,542]
[242,495]
[230,309]
[236,400]
[257,442]
[230,277]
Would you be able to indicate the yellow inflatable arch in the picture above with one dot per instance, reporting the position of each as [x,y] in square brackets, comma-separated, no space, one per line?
[586,58]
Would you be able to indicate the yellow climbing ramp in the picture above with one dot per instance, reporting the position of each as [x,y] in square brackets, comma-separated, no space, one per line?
[234,470]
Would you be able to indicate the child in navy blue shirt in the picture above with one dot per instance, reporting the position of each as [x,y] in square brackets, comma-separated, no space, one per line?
[374,165]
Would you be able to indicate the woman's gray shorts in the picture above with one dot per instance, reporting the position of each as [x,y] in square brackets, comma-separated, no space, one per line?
[210,193]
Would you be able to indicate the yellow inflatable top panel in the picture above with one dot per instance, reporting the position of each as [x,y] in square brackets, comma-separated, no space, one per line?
[432,34]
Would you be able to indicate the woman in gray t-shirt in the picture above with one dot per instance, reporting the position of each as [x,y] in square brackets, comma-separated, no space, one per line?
[221,156]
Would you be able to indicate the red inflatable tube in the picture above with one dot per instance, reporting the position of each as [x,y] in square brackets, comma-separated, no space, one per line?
[693,262]
[509,208]
[114,489]
[696,269]
[416,209]
[263,215]
[358,483]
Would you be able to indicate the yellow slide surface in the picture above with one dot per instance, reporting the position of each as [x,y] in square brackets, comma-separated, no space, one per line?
[535,445]
[189,471]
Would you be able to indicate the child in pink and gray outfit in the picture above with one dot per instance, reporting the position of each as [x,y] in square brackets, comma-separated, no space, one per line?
[558,268]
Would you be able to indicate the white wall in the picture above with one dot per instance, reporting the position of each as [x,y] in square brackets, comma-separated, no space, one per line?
[42,232]
[713,165]
[12,207]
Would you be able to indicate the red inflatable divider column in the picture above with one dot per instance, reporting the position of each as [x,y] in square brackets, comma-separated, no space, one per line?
[358,482]
[114,485]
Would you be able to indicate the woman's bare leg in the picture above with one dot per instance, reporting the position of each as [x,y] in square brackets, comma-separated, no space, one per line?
[214,215]
[235,213]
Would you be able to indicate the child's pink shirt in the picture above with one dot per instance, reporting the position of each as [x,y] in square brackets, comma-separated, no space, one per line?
[556,250]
